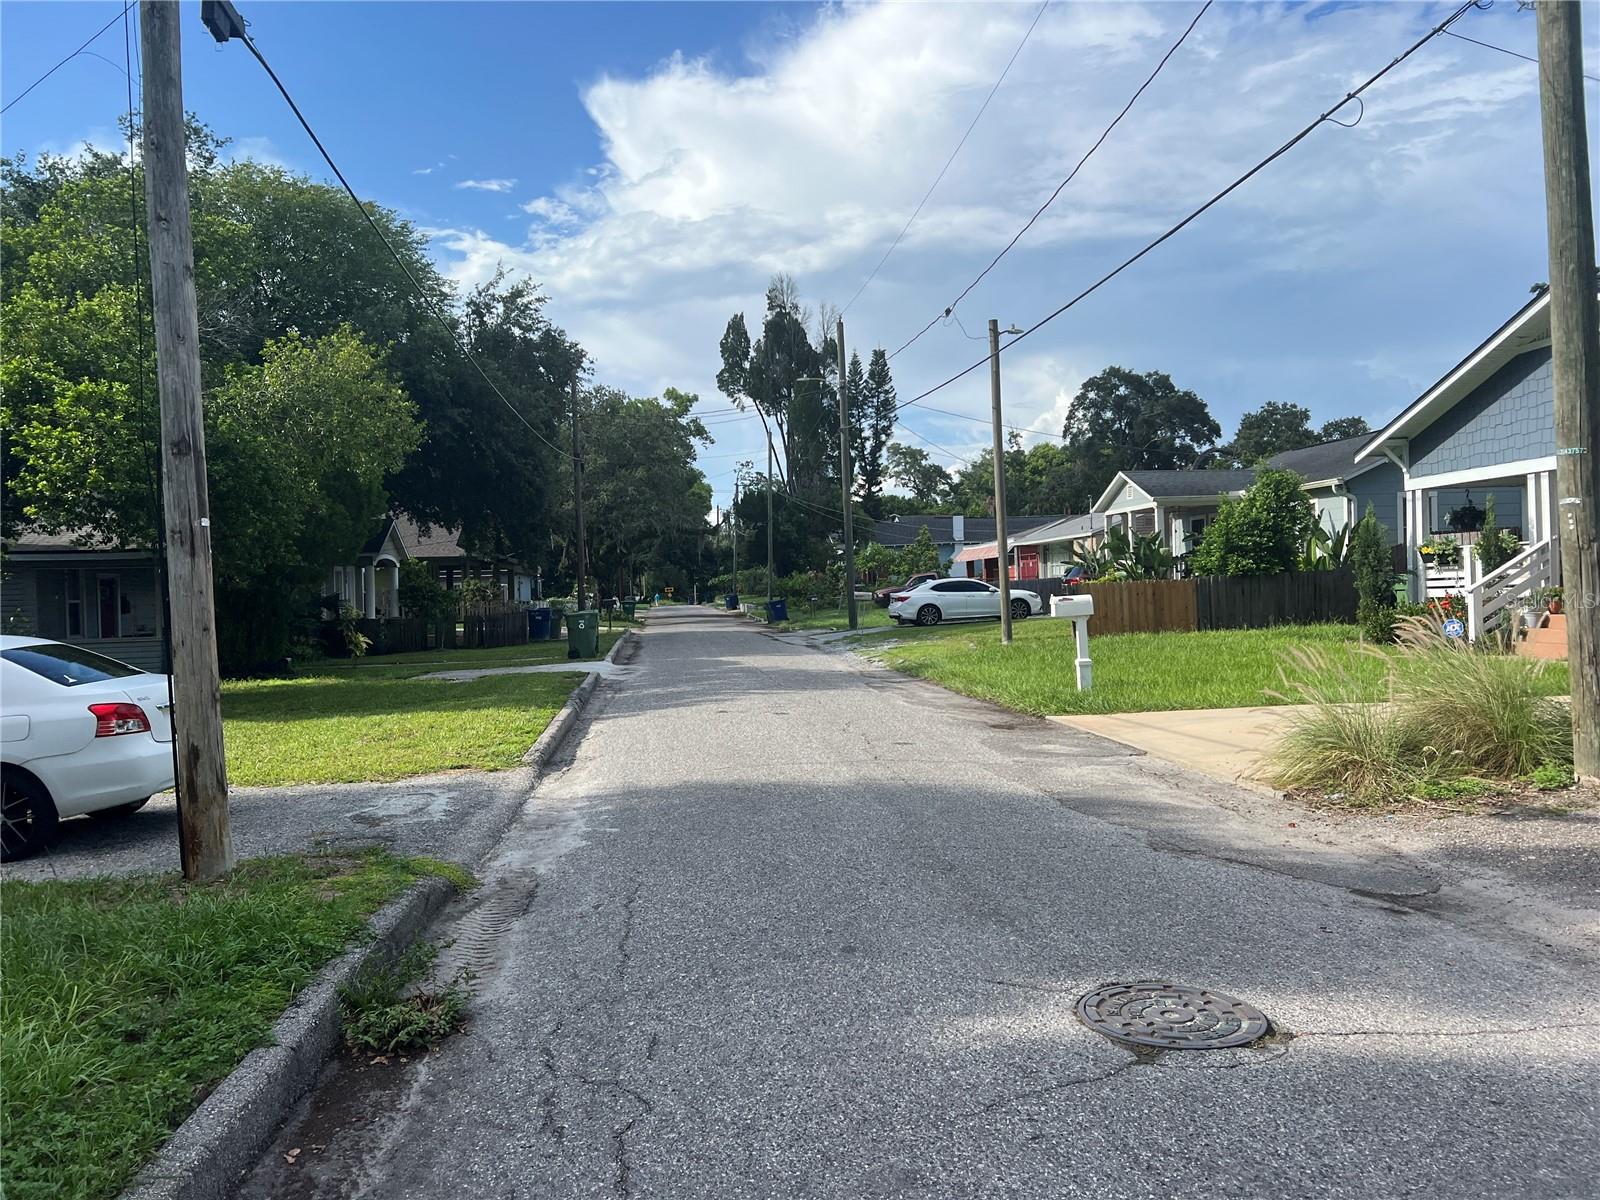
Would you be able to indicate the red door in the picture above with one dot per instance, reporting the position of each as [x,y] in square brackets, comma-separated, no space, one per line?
[1028,563]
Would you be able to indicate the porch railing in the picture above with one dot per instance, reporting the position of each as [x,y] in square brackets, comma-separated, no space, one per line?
[1513,580]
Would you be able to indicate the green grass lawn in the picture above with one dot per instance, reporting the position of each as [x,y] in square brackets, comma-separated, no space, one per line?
[372,719]
[1133,672]
[868,616]
[127,1000]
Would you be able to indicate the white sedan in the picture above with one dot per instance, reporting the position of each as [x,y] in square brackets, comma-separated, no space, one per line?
[959,600]
[79,733]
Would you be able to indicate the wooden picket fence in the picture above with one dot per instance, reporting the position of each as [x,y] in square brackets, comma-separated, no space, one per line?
[479,625]
[1217,601]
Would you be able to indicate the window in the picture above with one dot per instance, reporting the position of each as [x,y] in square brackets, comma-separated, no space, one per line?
[68,665]
[72,589]
[955,585]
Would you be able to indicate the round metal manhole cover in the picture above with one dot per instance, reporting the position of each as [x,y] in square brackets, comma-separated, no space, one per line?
[1169,1016]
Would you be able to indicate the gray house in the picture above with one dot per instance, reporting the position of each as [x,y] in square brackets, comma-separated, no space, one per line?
[951,534]
[1180,504]
[1486,428]
[102,597]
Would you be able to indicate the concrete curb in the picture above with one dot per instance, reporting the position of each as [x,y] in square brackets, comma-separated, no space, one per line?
[209,1153]
[556,732]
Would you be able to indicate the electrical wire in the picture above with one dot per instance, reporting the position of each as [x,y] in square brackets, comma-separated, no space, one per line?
[1287,146]
[962,459]
[949,309]
[68,58]
[947,162]
[1513,53]
[427,300]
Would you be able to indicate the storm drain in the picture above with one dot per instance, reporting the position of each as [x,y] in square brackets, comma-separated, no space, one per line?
[1170,1016]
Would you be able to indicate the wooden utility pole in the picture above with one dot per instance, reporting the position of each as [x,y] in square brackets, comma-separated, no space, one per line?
[999,485]
[577,498]
[1575,351]
[733,526]
[205,844]
[846,478]
[769,526]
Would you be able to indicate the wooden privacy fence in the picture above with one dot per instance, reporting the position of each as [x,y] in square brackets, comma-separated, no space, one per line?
[479,625]
[1214,601]
[493,625]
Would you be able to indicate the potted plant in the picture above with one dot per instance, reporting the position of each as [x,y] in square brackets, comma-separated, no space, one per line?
[1552,600]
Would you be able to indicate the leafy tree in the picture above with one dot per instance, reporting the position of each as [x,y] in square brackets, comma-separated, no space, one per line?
[912,469]
[1343,427]
[921,555]
[421,594]
[1261,532]
[1121,421]
[1270,429]
[1374,579]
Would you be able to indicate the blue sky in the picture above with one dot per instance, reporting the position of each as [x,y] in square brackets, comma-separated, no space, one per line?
[652,164]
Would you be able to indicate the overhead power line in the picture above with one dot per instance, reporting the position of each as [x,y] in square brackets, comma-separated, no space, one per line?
[428,301]
[68,58]
[1287,146]
[982,108]
[949,309]
[1513,53]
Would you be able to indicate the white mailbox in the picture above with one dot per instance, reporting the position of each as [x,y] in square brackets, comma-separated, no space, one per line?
[1072,606]
[1079,609]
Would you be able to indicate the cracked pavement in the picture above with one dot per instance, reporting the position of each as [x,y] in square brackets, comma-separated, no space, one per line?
[803,928]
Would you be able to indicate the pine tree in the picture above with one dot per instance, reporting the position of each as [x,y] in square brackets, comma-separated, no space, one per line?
[873,420]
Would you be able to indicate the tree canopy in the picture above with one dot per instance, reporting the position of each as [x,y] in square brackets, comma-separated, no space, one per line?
[1122,421]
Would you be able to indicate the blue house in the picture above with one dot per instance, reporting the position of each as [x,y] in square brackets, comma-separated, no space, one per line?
[1486,428]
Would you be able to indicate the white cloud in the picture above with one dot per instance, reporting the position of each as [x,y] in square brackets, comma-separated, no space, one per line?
[424,170]
[1361,244]
[256,149]
[487,185]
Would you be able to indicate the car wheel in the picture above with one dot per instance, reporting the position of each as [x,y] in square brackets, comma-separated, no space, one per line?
[928,614]
[1020,610]
[117,811]
[28,815]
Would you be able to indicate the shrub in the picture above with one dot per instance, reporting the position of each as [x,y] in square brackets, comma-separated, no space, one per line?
[382,1013]
[1495,545]
[1262,532]
[421,593]
[1374,579]
[1455,711]
[1552,777]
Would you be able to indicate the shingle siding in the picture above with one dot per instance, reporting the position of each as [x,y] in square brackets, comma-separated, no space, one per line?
[1508,418]
[1381,488]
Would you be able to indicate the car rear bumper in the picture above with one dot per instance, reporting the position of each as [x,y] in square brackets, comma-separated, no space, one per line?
[107,772]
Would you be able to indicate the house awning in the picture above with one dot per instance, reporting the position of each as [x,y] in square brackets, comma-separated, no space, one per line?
[977,553]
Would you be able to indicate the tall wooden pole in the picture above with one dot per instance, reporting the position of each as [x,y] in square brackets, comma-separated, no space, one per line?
[846,478]
[999,486]
[769,526]
[1575,351]
[577,500]
[205,844]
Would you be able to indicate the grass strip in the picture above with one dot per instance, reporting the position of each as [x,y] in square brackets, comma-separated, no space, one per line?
[128,1000]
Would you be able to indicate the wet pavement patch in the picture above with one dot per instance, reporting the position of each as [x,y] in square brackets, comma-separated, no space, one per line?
[1160,1015]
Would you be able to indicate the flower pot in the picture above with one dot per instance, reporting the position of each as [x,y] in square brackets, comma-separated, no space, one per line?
[1553,607]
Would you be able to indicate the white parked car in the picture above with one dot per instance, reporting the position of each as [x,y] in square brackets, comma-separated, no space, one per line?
[959,600]
[79,733]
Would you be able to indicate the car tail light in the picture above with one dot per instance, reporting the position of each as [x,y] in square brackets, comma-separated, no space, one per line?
[113,719]
[899,596]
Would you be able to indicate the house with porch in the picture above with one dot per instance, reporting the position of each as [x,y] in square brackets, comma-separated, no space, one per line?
[1486,428]
[106,598]
[370,583]
[1178,505]
[951,534]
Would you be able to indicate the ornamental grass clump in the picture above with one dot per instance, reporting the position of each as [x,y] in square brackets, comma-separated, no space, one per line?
[1453,711]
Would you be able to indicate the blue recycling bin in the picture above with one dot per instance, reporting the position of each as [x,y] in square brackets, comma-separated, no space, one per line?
[731,600]
[538,624]
[777,610]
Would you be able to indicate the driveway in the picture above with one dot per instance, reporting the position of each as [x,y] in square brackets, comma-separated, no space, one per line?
[783,925]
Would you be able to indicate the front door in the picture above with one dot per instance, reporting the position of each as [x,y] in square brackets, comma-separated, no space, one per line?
[109,595]
[1028,563]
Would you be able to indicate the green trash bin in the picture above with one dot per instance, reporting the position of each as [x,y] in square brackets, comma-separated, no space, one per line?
[555,624]
[629,607]
[583,634]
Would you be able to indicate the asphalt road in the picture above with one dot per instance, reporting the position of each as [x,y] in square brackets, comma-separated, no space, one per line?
[786,926]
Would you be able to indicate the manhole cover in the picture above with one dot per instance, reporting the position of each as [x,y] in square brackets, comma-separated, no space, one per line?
[1169,1016]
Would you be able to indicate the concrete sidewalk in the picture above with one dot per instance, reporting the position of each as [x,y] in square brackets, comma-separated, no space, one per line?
[1224,743]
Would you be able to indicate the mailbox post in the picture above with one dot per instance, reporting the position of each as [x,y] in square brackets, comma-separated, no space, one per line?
[1079,609]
